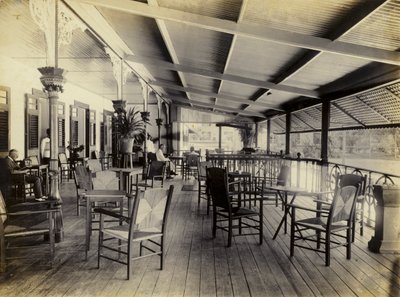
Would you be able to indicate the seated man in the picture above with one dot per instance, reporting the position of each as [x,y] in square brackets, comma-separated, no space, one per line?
[192,151]
[160,157]
[13,166]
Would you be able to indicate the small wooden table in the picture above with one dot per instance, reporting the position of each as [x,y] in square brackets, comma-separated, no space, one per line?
[102,196]
[283,192]
[125,176]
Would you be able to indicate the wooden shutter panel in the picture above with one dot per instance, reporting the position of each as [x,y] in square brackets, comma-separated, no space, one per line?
[102,136]
[61,132]
[4,130]
[33,131]
[74,130]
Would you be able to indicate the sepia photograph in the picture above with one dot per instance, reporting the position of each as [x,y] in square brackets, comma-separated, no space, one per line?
[200,148]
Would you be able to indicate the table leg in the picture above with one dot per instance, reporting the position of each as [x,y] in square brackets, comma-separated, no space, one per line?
[88,222]
[284,218]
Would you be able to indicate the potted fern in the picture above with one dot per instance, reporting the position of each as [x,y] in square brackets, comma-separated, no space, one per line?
[131,128]
[247,136]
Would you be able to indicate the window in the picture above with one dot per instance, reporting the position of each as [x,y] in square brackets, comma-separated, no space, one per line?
[32,124]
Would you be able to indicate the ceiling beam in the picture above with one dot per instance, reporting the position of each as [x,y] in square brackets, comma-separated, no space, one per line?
[233,42]
[169,45]
[251,31]
[228,77]
[219,107]
[173,86]
[358,15]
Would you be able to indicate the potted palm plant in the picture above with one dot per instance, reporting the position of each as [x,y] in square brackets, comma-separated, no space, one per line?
[131,128]
[247,137]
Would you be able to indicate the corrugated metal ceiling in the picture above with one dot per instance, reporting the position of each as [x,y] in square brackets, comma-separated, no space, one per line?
[263,51]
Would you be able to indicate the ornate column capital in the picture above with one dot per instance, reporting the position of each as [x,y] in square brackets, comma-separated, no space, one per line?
[145,115]
[119,105]
[159,122]
[52,79]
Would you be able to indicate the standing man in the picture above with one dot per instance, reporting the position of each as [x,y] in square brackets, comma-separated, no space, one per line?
[45,148]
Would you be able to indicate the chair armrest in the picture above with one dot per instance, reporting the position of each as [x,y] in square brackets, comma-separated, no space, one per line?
[112,214]
[308,209]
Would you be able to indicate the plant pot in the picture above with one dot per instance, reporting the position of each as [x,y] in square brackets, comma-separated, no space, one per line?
[126,145]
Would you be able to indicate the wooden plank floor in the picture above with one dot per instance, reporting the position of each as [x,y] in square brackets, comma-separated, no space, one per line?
[197,265]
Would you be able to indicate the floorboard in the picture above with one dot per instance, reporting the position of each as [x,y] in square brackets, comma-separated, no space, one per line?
[198,265]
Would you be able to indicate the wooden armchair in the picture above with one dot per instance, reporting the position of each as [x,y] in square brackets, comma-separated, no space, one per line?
[146,225]
[202,182]
[65,167]
[155,172]
[326,227]
[229,214]
[18,224]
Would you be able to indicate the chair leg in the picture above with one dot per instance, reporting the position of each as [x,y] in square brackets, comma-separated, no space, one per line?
[348,246]
[51,238]
[230,232]
[362,219]
[214,230]
[292,230]
[327,249]
[318,233]
[2,254]
[261,227]
[129,259]
[162,253]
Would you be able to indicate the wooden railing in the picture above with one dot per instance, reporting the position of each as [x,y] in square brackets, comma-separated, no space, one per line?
[305,173]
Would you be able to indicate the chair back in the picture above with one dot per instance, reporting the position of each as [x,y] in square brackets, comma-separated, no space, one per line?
[353,180]
[83,178]
[62,158]
[105,180]
[156,168]
[217,181]
[191,160]
[151,157]
[283,176]
[34,160]
[342,208]
[150,210]
[96,154]
[5,178]
[3,210]
[94,165]
[202,168]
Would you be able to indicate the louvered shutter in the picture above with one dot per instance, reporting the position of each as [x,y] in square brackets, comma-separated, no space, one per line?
[4,131]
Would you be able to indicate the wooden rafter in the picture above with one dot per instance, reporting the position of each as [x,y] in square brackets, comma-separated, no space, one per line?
[252,31]
[228,77]
[211,94]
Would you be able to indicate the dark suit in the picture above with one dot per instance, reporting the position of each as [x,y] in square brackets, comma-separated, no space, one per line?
[11,166]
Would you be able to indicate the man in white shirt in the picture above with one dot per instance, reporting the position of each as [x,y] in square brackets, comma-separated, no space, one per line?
[45,148]
[160,157]
[150,144]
